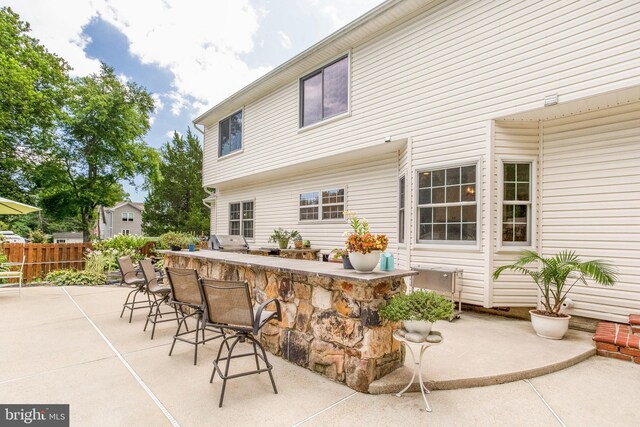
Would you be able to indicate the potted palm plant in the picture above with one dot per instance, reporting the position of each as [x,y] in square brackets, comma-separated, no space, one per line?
[555,278]
[418,310]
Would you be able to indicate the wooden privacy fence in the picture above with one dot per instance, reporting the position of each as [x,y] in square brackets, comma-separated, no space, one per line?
[43,258]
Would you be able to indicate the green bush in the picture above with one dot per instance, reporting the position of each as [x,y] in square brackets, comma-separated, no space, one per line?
[38,236]
[418,305]
[104,253]
[173,238]
[76,278]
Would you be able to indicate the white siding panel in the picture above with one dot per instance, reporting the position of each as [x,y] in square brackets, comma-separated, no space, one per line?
[276,202]
[513,140]
[448,71]
[591,202]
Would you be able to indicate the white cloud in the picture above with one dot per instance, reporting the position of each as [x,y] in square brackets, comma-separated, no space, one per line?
[201,43]
[285,41]
[170,133]
[157,102]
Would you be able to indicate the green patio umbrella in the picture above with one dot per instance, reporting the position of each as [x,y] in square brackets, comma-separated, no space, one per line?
[9,207]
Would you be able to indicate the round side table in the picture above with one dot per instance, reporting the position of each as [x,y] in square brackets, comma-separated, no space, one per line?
[417,363]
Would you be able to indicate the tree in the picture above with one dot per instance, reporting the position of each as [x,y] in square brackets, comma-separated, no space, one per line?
[33,90]
[99,145]
[174,201]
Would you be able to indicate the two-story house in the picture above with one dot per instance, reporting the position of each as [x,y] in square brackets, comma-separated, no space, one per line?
[464,130]
[123,218]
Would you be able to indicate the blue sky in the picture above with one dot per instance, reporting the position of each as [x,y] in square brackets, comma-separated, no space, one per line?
[189,54]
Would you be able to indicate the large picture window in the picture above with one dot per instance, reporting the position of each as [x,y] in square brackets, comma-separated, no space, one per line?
[241,219]
[325,92]
[230,134]
[447,205]
[516,203]
[322,205]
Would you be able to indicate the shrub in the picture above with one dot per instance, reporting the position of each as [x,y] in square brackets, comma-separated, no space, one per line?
[418,305]
[75,278]
[173,238]
[117,246]
[38,236]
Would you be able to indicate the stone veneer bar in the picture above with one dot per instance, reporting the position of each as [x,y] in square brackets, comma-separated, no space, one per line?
[330,316]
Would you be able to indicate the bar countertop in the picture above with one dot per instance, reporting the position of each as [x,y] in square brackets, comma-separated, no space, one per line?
[295,266]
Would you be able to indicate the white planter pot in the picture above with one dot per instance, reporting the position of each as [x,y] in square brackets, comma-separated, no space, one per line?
[549,327]
[421,327]
[364,263]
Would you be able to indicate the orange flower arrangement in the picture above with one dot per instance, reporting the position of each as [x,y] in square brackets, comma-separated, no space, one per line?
[360,239]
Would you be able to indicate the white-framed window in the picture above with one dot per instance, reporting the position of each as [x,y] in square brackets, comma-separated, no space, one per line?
[447,209]
[126,231]
[401,210]
[127,216]
[516,202]
[322,205]
[325,92]
[230,134]
[241,216]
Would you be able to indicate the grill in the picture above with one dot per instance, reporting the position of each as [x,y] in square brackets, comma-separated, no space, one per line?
[227,243]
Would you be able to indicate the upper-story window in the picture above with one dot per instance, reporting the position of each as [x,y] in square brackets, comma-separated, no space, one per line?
[127,216]
[230,134]
[325,92]
[447,205]
[322,205]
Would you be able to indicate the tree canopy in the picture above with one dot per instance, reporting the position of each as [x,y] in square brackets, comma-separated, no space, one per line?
[99,145]
[33,91]
[174,201]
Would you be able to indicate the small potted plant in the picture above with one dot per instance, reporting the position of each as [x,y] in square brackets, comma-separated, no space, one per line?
[282,237]
[556,276]
[306,244]
[364,247]
[343,254]
[418,310]
[297,242]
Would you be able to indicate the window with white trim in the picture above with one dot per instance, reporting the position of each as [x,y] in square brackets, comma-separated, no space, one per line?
[230,134]
[516,203]
[322,205]
[241,219]
[126,231]
[447,205]
[401,214]
[325,92]
[127,216]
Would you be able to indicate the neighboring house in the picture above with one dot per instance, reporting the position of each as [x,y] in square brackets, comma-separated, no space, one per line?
[69,237]
[123,218]
[465,131]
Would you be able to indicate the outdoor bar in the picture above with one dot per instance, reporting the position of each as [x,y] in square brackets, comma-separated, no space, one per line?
[330,316]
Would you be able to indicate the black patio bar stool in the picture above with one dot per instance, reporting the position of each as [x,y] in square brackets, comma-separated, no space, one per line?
[133,277]
[227,304]
[186,297]
[160,294]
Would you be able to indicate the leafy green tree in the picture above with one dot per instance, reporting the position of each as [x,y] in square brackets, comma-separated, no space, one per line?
[99,145]
[33,91]
[174,201]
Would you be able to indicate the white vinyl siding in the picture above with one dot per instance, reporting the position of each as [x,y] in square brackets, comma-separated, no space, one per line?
[591,202]
[438,80]
[278,201]
[513,141]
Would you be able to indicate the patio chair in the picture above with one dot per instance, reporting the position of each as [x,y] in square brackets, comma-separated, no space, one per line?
[186,296]
[13,274]
[227,304]
[152,285]
[132,277]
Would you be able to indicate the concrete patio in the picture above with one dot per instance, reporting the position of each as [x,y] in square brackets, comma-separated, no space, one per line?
[68,345]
